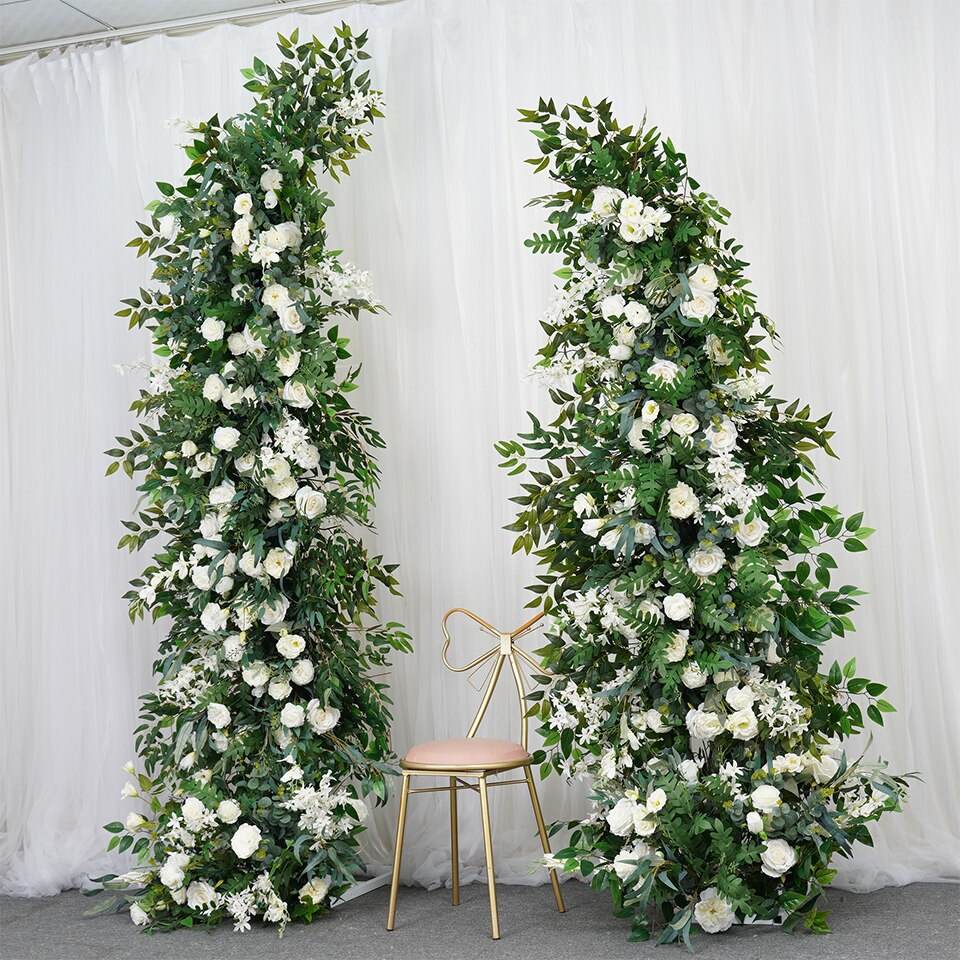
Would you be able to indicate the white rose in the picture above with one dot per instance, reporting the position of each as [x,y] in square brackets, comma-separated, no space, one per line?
[288,362]
[654,720]
[823,769]
[276,296]
[705,561]
[620,817]
[271,180]
[246,840]
[788,764]
[755,822]
[240,234]
[721,436]
[201,896]
[684,424]
[677,648]
[291,233]
[703,725]
[637,314]
[322,720]
[740,698]
[212,329]
[677,606]
[200,577]
[244,464]
[749,533]
[610,539]
[682,502]
[257,674]
[218,715]
[592,527]
[584,504]
[292,715]
[222,495]
[231,397]
[188,449]
[637,436]
[279,688]
[295,394]
[243,204]
[310,503]
[716,351]
[233,648]
[689,771]
[205,462]
[605,200]
[277,563]
[138,915]
[193,813]
[665,371]
[765,798]
[700,306]
[214,617]
[314,892]
[228,811]
[226,438]
[742,724]
[777,858]
[238,343]
[619,352]
[273,614]
[270,199]
[291,645]
[290,320]
[171,873]
[656,801]
[302,672]
[612,307]
[643,822]
[693,676]
[703,277]
[713,913]
[213,387]
[281,488]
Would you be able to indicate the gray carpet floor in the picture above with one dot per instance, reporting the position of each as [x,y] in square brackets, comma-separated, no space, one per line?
[920,921]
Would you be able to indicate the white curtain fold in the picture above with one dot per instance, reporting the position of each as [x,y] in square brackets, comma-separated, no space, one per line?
[830,129]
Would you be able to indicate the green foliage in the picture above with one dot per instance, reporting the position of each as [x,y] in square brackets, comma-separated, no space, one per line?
[270,720]
[675,511]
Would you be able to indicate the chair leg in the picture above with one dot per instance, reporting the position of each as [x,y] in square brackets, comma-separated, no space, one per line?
[454,842]
[398,853]
[544,842]
[488,847]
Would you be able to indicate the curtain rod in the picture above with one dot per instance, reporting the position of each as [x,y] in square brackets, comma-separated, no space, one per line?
[185,25]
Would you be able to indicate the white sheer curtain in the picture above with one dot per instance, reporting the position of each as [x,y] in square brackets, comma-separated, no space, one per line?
[831,130]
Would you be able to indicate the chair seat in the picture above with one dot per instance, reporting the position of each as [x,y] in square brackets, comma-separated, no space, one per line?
[466,753]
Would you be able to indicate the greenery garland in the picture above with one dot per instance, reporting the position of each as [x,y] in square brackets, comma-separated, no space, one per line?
[684,537]
[269,723]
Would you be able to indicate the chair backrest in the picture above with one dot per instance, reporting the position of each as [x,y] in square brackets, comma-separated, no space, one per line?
[505,650]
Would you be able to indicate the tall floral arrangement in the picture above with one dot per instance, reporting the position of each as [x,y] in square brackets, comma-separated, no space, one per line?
[684,540]
[268,724]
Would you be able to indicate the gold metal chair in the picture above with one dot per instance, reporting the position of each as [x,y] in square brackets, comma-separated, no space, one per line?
[462,759]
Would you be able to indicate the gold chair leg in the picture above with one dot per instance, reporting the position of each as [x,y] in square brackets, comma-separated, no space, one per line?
[454,842]
[488,846]
[544,842]
[398,853]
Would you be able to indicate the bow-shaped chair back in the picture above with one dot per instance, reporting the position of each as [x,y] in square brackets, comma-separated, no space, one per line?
[505,651]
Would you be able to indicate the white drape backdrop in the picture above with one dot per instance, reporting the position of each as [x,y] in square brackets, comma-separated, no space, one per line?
[831,130]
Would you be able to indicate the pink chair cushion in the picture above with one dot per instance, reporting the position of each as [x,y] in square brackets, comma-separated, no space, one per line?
[465,753]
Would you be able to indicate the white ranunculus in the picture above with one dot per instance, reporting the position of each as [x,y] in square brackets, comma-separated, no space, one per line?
[705,561]
[620,817]
[682,501]
[288,362]
[716,351]
[277,563]
[765,798]
[693,676]
[637,314]
[677,606]
[257,674]
[213,387]
[605,201]
[665,371]
[742,724]
[292,715]
[222,495]
[201,896]
[739,698]
[314,892]
[243,204]
[238,343]
[279,688]
[650,411]
[778,857]
[246,840]
[295,394]
[212,329]
[138,915]
[612,307]
[291,645]
[271,180]
[619,352]
[302,672]
[703,277]
[703,725]
[656,801]
[214,617]
[754,822]
[713,913]
[228,811]
[218,715]
[322,720]
[276,296]
[171,873]
[133,822]
[684,424]
[226,438]
[749,533]
[721,437]
[310,503]
[677,648]
[689,771]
